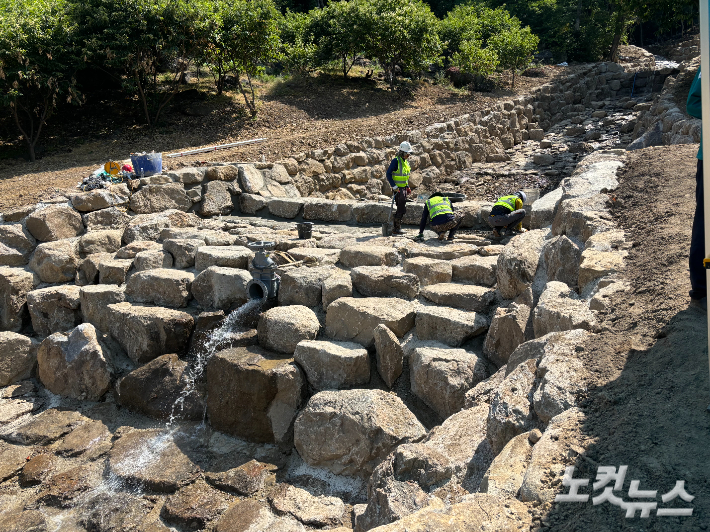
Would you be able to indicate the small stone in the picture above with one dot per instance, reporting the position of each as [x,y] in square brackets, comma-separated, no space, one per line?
[534,436]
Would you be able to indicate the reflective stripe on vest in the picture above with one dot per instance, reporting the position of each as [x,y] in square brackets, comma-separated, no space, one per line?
[438,205]
[401,176]
[507,201]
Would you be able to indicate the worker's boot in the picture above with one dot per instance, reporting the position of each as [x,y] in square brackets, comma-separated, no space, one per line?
[397,230]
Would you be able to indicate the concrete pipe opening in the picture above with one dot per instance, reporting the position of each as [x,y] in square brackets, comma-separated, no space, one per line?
[257,290]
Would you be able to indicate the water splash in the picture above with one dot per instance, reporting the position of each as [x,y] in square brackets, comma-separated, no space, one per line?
[217,338]
[115,478]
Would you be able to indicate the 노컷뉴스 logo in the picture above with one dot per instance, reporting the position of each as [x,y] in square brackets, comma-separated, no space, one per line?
[607,474]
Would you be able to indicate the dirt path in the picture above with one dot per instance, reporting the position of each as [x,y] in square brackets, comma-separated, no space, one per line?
[294,117]
[647,399]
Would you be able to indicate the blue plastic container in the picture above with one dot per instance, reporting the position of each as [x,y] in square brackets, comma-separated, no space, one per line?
[148,164]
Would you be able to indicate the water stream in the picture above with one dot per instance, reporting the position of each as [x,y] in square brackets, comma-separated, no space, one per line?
[141,457]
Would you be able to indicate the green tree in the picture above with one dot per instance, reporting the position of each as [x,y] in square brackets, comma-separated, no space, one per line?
[133,39]
[474,59]
[37,64]
[300,53]
[340,31]
[401,33]
[246,36]
[514,48]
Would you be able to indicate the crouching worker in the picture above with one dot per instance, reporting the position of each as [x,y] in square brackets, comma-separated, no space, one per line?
[441,216]
[507,214]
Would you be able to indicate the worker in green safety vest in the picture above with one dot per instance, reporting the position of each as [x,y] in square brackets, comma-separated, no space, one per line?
[442,217]
[507,214]
[398,178]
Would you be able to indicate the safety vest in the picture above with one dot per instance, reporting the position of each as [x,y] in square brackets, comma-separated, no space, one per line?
[438,205]
[507,201]
[401,176]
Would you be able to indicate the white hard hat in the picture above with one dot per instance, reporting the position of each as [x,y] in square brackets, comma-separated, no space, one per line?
[406,147]
[522,195]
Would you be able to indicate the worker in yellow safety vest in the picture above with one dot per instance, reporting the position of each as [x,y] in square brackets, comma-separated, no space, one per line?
[440,213]
[398,178]
[507,214]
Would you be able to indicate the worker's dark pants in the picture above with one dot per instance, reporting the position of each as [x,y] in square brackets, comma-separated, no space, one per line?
[509,221]
[698,281]
[400,200]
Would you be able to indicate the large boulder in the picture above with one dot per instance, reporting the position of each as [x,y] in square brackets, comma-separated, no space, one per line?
[327,211]
[317,511]
[333,365]
[354,319]
[441,377]
[511,411]
[463,296]
[549,456]
[149,226]
[16,245]
[368,255]
[15,283]
[75,364]
[505,474]
[596,264]
[429,271]
[94,301]
[161,389]
[165,468]
[101,198]
[216,199]
[114,271]
[303,286]
[148,332]
[554,343]
[389,354]
[561,309]
[400,485]
[163,287]
[56,262]
[158,198]
[282,328]
[338,285]
[475,269]
[506,333]
[462,439]
[54,222]
[562,258]
[350,431]
[18,357]
[152,259]
[477,512]
[224,256]
[580,218]
[561,380]
[54,309]
[518,263]
[543,210]
[221,288]
[183,250]
[110,218]
[449,326]
[102,241]
[253,394]
[382,281]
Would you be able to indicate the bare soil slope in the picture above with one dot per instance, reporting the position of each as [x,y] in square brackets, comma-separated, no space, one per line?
[647,399]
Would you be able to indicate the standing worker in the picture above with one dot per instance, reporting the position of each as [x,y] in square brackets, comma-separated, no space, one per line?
[508,213]
[698,281]
[440,212]
[398,178]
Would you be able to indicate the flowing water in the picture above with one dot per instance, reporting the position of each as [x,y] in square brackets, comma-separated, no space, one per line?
[141,457]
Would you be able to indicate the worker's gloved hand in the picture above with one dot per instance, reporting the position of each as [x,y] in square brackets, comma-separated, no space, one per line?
[408,190]
[395,190]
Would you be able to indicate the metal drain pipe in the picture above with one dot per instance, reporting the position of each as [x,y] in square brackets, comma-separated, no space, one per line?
[265,283]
